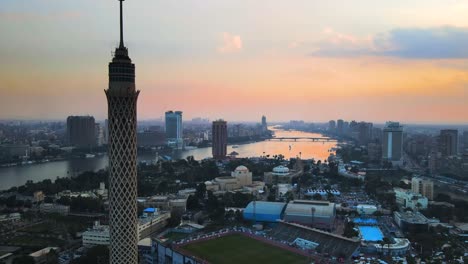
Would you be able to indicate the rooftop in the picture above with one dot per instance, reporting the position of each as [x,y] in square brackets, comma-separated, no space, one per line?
[412,217]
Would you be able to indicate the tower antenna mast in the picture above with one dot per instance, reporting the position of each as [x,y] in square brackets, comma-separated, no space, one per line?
[121,24]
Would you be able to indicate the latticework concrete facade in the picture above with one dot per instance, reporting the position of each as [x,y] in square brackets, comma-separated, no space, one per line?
[122,110]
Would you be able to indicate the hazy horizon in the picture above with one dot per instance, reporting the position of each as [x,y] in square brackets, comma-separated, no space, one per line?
[237,60]
[270,122]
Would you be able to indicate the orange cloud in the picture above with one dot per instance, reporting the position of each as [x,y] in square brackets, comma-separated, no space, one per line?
[231,43]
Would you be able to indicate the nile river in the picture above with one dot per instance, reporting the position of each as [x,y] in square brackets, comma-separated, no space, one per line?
[16,176]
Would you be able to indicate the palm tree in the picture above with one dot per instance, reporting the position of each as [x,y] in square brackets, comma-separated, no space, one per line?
[387,241]
[382,244]
[418,205]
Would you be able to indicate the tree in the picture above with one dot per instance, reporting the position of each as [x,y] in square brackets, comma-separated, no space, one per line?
[317,196]
[200,191]
[418,206]
[377,213]
[349,230]
[289,196]
[97,254]
[193,203]
[241,200]
[52,257]
[386,242]
[271,197]
[65,200]
[24,260]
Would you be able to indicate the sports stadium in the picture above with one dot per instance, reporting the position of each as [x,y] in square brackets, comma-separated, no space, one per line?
[214,247]
[284,243]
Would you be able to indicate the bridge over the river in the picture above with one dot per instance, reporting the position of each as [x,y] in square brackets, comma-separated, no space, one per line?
[313,139]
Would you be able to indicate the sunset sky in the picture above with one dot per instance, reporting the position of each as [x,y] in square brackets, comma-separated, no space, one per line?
[373,60]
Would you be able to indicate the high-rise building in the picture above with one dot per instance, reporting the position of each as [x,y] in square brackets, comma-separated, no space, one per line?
[151,138]
[465,141]
[340,127]
[122,114]
[332,126]
[174,129]
[448,142]
[99,134]
[374,152]
[346,128]
[105,139]
[365,132]
[264,124]
[377,134]
[392,149]
[219,131]
[433,162]
[423,186]
[81,131]
[465,162]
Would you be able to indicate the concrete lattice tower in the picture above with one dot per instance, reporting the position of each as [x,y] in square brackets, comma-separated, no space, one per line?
[122,110]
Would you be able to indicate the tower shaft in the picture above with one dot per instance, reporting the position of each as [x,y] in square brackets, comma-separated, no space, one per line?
[122,120]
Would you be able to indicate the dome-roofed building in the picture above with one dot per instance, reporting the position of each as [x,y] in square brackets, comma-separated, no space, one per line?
[280,174]
[280,170]
[241,168]
[241,177]
[243,174]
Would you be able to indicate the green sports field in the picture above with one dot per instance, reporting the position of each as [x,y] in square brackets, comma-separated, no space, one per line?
[235,249]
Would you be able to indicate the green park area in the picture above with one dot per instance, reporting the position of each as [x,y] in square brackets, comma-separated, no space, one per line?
[233,249]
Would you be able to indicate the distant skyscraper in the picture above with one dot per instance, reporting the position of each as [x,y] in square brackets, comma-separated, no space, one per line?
[81,131]
[377,134]
[340,127]
[122,110]
[364,132]
[374,152]
[465,141]
[448,142]
[219,131]
[433,162]
[151,138]
[264,124]
[174,129]
[332,126]
[345,127]
[106,132]
[99,134]
[392,148]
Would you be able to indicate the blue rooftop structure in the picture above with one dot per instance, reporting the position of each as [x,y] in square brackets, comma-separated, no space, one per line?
[149,210]
[264,211]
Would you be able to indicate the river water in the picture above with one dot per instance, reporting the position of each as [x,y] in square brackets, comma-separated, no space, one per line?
[17,176]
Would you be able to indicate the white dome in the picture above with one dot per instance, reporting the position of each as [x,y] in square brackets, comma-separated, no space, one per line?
[281,169]
[242,169]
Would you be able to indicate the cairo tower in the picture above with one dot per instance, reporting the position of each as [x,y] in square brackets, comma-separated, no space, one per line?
[122,110]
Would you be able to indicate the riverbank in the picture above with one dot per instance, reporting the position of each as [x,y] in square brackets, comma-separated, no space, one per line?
[19,175]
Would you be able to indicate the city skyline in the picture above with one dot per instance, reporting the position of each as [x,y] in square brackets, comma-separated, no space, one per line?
[217,161]
[412,56]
